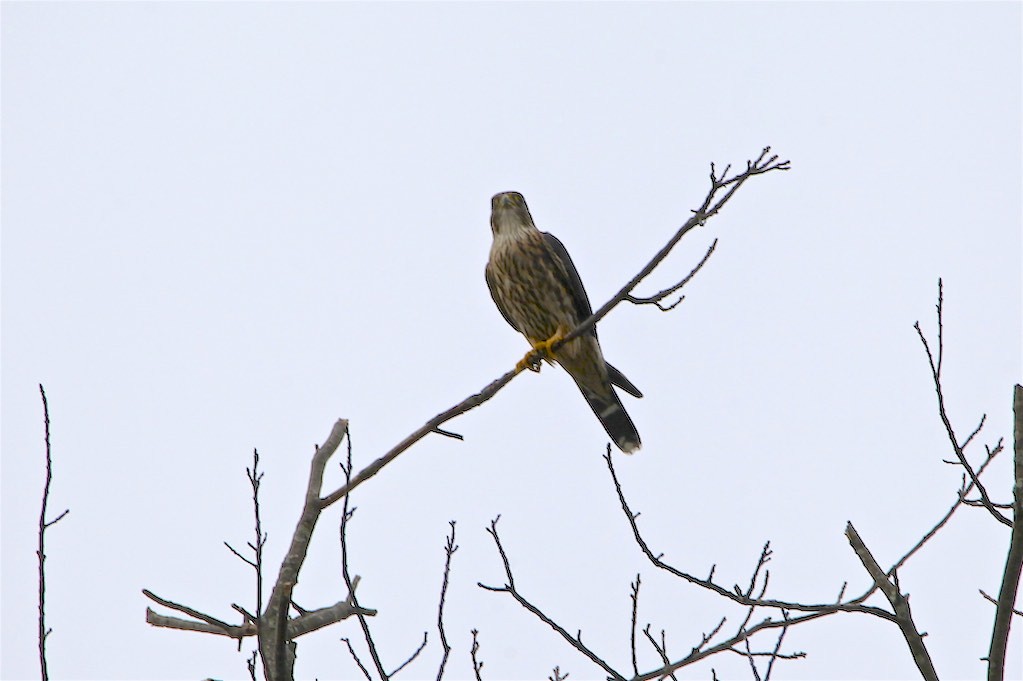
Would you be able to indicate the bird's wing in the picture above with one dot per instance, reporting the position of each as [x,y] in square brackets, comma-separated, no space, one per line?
[583,309]
[497,299]
[575,283]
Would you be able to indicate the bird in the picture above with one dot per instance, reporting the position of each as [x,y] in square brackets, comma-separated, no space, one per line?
[538,291]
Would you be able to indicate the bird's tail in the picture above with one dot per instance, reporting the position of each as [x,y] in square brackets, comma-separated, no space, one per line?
[614,418]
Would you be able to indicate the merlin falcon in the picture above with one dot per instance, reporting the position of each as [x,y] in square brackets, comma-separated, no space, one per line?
[538,291]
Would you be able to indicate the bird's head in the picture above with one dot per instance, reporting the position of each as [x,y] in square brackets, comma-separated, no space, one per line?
[509,214]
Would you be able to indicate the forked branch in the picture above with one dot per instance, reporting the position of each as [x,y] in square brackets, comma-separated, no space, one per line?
[899,602]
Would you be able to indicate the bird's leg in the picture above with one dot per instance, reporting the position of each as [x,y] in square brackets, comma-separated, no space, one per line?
[540,351]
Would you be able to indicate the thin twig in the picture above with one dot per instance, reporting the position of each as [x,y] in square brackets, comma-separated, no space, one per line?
[346,515]
[994,601]
[632,637]
[728,646]
[936,375]
[250,664]
[751,659]
[777,648]
[45,524]
[362,667]
[411,657]
[449,550]
[960,500]
[656,298]
[661,648]
[255,480]
[192,612]
[477,664]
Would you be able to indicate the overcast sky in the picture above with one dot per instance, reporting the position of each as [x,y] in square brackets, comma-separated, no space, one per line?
[225,225]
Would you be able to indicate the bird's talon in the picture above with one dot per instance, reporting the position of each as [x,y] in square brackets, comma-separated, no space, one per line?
[531,361]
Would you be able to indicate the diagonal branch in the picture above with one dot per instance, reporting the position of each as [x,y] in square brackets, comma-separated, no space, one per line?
[208,619]
[509,588]
[712,204]
[903,614]
[736,595]
[698,654]
[960,500]
[722,189]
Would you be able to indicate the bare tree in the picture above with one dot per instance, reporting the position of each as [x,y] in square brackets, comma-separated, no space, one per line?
[275,628]
[785,614]
[757,635]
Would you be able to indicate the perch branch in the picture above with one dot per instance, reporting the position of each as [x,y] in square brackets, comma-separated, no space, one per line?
[722,188]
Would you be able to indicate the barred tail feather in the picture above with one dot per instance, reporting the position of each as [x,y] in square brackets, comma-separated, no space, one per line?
[615,420]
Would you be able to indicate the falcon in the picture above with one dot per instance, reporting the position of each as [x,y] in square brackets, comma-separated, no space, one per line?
[538,291]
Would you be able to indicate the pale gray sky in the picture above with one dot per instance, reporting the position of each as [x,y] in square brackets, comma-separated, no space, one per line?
[226,225]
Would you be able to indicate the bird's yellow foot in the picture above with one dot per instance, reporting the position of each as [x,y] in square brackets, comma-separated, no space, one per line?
[540,351]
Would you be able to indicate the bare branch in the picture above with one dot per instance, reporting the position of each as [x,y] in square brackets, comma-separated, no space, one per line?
[1013,561]
[205,627]
[208,619]
[449,550]
[312,620]
[632,638]
[936,375]
[721,190]
[700,654]
[250,664]
[278,657]
[960,500]
[509,588]
[712,204]
[904,616]
[994,601]
[661,648]
[45,524]
[255,480]
[477,664]
[737,596]
[656,298]
[346,515]
[556,675]
[410,658]
[362,667]
[776,654]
